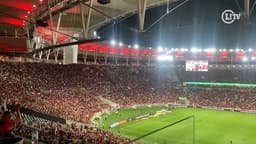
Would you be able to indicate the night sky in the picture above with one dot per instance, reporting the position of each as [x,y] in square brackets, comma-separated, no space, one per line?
[197,23]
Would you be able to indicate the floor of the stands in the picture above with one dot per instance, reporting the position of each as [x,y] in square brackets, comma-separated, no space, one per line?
[211,126]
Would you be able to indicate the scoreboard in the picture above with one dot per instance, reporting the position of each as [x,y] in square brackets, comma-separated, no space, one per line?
[197,65]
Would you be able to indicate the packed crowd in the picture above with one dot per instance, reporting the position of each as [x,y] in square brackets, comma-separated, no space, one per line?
[234,98]
[72,92]
[61,134]
[50,89]
[15,126]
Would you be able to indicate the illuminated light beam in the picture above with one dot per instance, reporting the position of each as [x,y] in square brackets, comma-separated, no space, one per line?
[84,41]
[221,84]
[18,5]
[144,52]
[125,51]
[104,49]
[13,21]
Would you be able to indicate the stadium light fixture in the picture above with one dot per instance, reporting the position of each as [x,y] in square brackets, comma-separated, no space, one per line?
[136,46]
[129,46]
[231,50]
[194,50]
[213,50]
[220,50]
[165,58]
[237,50]
[245,59]
[253,58]
[250,49]
[160,49]
[120,44]
[113,43]
[95,34]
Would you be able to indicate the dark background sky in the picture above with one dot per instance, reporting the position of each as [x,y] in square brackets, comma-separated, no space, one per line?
[195,24]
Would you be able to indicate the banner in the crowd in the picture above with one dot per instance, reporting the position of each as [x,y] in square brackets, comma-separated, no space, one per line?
[118,123]
[141,117]
[157,113]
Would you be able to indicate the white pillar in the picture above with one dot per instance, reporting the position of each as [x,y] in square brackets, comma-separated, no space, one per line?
[70,53]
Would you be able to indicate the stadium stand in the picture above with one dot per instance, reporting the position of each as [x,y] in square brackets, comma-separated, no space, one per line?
[72,92]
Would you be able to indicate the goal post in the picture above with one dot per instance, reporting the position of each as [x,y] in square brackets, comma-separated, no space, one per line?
[180,123]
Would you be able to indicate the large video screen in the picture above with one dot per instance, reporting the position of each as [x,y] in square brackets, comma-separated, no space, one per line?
[197,65]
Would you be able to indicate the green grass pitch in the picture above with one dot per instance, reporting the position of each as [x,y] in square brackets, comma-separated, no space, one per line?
[211,126]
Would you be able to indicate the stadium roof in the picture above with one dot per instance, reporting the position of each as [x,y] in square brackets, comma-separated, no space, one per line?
[14,12]
[186,23]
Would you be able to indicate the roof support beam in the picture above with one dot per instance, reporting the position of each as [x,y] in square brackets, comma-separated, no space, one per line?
[142,5]
[167,5]
[55,38]
[247,8]
[44,17]
[56,53]
[51,22]
[83,20]
[28,36]
[99,11]
[252,8]
[89,18]
[52,32]
[87,26]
